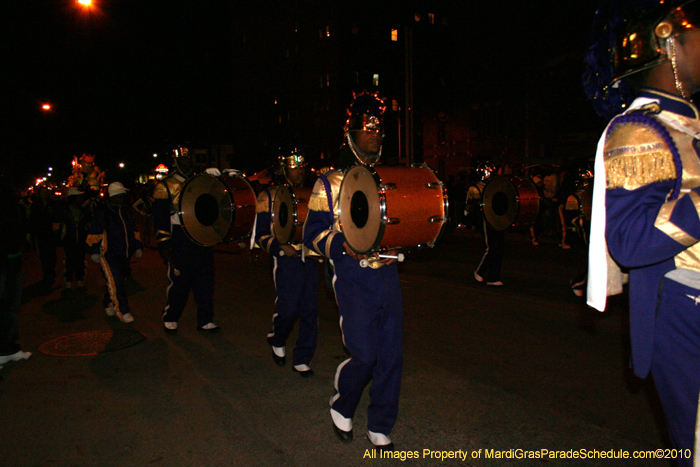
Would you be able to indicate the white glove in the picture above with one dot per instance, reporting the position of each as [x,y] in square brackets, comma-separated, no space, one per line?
[95,258]
[139,253]
[213,171]
[233,172]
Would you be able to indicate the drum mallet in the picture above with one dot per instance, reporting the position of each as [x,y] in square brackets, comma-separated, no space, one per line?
[368,262]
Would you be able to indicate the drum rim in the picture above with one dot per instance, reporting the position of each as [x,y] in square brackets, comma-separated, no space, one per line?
[282,189]
[180,212]
[382,209]
[294,213]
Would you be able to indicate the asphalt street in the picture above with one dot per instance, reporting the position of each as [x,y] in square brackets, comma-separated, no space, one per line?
[489,373]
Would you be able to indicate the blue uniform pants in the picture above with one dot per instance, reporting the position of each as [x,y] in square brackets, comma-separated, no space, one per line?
[371,318]
[115,269]
[296,283]
[676,361]
[191,268]
[490,266]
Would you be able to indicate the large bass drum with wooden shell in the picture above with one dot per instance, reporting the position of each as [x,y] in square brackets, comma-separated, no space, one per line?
[509,201]
[217,209]
[391,207]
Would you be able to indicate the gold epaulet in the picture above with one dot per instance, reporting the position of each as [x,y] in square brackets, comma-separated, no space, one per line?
[263,203]
[319,198]
[637,154]
[160,191]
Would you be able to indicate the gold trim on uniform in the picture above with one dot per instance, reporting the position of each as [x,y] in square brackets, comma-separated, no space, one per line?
[329,243]
[160,191]
[636,155]
[93,238]
[319,201]
[263,201]
[170,186]
[318,238]
[664,224]
[632,172]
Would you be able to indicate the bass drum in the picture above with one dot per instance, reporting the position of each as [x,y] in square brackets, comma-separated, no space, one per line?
[217,209]
[290,207]
[509,201]
[391,207]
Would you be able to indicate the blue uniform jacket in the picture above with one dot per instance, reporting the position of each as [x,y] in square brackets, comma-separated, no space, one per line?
[652,205]
[112,232]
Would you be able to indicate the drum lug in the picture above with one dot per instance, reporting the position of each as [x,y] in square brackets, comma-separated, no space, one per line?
[392,221]
[387,186]
[432,185]
[435,219]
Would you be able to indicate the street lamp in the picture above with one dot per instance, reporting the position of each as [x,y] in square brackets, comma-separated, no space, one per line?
[46,107]
[85,3]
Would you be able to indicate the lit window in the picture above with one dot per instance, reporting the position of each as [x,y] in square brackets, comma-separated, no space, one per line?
[431,18]
[328,31]
[394,35]
[395,105]
[375,80]
[417,17]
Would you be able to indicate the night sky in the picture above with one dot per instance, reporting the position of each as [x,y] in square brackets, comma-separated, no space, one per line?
[133,77]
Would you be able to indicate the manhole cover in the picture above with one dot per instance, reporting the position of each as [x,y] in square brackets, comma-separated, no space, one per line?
[91,342]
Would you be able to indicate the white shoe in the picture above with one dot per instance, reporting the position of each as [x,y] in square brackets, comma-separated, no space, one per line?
[170,326]
[15,357]
[125,318]
[341,422]
[378,439]
[110,311]
[478,277]
[495,284]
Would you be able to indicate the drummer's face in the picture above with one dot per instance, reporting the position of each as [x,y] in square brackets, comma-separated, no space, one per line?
[368,141]
[185,164]
[296,176]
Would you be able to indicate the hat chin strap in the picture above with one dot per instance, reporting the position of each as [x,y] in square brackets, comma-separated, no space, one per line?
[359,153]
[671,53]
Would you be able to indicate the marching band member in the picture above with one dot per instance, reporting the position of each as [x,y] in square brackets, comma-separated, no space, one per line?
[369,299]
[190,266]
[111,240]
[646,202]
[295,278]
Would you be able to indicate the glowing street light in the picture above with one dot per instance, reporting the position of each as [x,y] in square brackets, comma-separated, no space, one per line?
[121,165]
[85,2]
[46,107]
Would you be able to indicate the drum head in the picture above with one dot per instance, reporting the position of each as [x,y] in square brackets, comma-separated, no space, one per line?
[283,215]
[500,203]
[206,211]
[360,210]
